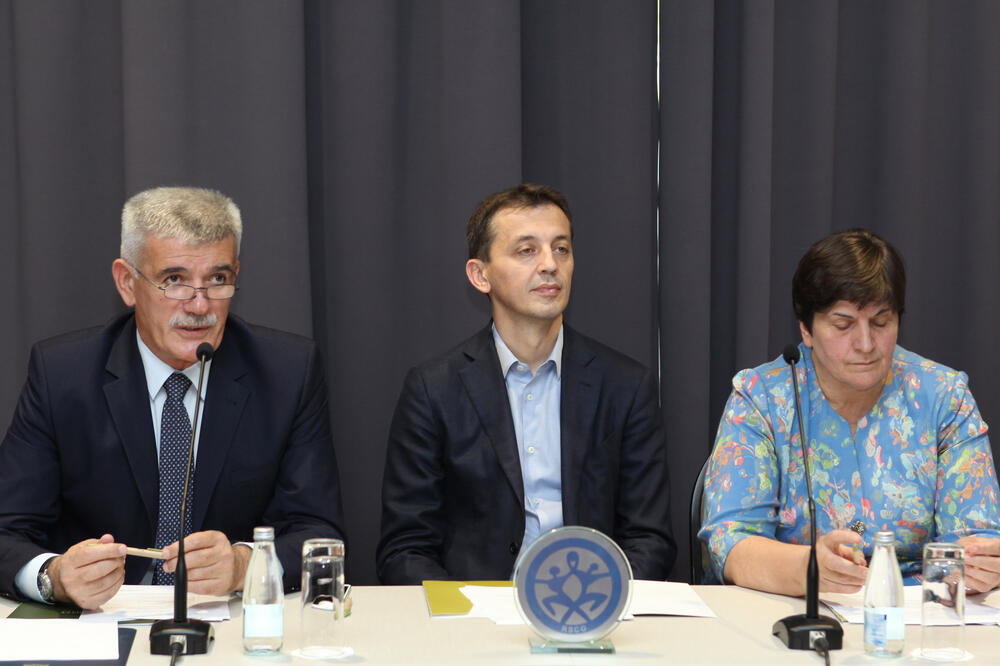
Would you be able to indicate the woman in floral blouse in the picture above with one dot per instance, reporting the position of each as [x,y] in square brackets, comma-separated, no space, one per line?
[896,441]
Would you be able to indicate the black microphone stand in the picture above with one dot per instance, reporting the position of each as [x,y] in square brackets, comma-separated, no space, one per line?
[181,635]
[811,631]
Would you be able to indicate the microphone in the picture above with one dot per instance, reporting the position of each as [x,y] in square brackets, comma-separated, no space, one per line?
[811,631]
[181,635]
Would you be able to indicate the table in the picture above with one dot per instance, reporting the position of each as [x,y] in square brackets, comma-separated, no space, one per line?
[391,625]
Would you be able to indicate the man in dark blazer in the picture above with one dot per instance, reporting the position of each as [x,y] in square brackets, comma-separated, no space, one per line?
[526,426]
[79,470]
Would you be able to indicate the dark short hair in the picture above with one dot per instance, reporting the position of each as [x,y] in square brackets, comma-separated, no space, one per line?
[479,231]
[854,266]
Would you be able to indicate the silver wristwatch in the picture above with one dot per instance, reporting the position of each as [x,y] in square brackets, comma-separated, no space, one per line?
[45,582]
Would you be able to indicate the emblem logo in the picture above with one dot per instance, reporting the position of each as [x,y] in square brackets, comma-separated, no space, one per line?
[572,584]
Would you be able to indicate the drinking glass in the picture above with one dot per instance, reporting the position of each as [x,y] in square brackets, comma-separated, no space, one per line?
[942,620]
[322,628]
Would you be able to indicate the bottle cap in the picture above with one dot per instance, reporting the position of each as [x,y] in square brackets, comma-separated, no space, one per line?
[263,534]
[885,538]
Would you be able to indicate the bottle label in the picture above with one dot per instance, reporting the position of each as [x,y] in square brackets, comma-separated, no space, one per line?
[263,620]
[883,625]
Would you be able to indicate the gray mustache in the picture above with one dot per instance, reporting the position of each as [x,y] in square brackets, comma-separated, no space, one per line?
[193,320]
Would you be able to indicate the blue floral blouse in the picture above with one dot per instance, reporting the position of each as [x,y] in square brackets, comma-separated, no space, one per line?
[920,464]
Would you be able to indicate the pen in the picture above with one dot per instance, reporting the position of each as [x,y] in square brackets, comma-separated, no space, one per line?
[153,553]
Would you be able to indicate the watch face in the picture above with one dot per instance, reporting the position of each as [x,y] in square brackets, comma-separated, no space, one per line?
[572,584]
[45,581]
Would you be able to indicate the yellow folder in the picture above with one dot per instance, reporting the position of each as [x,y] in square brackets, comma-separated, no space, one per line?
[444,598]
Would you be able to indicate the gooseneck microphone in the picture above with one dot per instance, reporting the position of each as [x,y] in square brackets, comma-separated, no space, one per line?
[181,635]
[811,631]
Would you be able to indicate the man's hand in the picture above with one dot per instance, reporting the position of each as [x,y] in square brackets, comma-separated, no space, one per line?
[982,562]
[841,567]
[89,573]
[214,565]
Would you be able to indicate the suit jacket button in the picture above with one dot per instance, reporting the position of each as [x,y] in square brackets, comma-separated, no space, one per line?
[513,548]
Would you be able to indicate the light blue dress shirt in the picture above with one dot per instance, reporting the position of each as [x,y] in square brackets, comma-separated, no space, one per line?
[157,372]
[534,405]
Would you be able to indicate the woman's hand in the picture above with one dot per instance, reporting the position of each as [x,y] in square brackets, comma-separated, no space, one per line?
[842,568]
[982,562]
[765,564]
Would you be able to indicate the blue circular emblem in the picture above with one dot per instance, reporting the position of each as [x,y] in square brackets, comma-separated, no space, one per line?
[572,584]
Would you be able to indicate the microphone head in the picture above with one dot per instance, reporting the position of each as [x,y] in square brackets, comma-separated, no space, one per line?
[205,351]
[791,354]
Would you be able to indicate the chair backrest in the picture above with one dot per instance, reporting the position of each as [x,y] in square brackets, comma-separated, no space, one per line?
[699,554]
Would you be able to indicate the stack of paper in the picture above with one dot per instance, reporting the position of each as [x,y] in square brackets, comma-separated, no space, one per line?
[850,608]
[51,640]
[156,602]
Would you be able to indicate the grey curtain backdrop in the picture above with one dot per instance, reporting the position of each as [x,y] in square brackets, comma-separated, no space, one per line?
[357,137]
[782,122]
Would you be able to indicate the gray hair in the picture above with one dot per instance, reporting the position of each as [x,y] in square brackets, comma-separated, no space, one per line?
[190,214]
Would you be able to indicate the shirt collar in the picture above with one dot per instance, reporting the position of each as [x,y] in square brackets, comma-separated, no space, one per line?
[157,371]
[508,360]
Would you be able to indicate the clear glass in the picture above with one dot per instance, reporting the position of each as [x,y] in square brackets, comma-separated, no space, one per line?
[942,616]
[263,597]
[323,600]
[884,623]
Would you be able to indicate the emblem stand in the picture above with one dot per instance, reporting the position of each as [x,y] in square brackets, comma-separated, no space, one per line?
[572,586]
[545,646]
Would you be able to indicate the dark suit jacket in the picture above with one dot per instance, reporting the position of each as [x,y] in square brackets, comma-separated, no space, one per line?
[453,496]
[80,459]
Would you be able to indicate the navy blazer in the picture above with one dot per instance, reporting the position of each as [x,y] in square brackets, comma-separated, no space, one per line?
[452,493]
[80,457]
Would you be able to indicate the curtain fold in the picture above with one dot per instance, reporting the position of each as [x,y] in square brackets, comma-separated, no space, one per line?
[824,116]
[356,139]
[358,136]
[424,109]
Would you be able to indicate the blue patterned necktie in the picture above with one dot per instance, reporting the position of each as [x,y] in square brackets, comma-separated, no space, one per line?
[175,438]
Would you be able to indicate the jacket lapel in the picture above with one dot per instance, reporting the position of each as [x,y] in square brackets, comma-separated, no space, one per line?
[483,380]
[225,399]
[127,397]
[578,405]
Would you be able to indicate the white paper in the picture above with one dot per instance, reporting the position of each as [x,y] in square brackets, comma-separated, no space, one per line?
[45,640]
[979,609]
[156,602]
[495,603]
[649,597]
[657,597]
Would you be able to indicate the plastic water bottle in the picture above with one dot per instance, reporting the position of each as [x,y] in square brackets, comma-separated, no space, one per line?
[884,625]
[263,596]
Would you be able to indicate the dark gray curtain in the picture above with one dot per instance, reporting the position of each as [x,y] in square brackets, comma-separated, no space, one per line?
[415,112]
[357,137]
[782,122]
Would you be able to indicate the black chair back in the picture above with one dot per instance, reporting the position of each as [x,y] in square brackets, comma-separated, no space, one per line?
[699,554]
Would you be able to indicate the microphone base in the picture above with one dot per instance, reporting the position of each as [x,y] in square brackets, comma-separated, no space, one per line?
[799,632]
[193,635]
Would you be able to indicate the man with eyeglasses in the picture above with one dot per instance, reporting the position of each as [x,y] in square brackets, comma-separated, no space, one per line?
[94,458]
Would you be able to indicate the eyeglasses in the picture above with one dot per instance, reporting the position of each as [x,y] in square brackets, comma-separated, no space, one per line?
[185,292]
